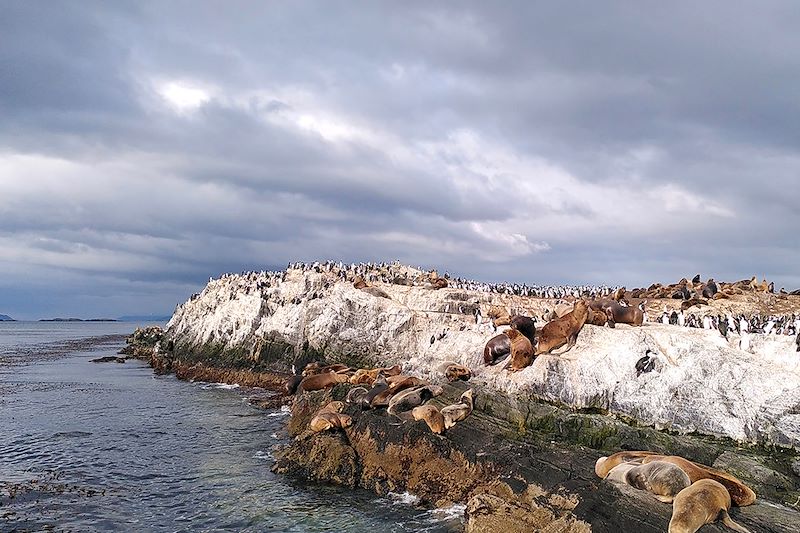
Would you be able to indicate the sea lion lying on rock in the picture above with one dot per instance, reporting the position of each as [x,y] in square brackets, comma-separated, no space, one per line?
[356,395]
[497,348]
[596,317]
[564,330]
[701,503]
[364,376]
[326,421]
[662,479]
[521,351]
[458,411]
[408,399]
[321,381]
[741,494]
[431,415]
[456,372]
[315,368]
[379,386]
[620,314]
[396,384]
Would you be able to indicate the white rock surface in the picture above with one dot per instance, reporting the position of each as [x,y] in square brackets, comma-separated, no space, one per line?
[702,382]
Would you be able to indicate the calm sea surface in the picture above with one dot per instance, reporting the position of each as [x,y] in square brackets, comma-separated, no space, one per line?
[112,447]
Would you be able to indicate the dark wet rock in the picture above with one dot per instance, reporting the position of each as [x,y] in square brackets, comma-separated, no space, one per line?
[767,482]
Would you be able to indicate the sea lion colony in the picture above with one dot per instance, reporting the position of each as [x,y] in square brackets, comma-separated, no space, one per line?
[404,396]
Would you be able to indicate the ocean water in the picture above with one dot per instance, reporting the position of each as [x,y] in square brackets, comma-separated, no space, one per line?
[113,447]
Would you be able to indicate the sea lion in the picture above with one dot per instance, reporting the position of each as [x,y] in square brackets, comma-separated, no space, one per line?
[562,308]
[701,503]
[315,368]
[741,494]
[564,330]
[356,395]
[396,384]
[525,325]
[619,314]
[431,415]
[455,372]
[321,381]
[662,479]
[521,351]
[375,291]
[497,348]
[364,376]
[292,382]
[359,283]
[331,407]
[596,317]
[379,386]
[408,399]
[458,411]
[326,421]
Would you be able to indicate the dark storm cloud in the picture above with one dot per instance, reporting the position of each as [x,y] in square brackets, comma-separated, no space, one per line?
[157,143]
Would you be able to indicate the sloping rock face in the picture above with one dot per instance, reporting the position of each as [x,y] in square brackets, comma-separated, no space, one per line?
[702,383]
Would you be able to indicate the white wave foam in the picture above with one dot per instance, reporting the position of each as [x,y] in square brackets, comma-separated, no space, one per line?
[285,410]
[405,498]
[455,511]
[261,454]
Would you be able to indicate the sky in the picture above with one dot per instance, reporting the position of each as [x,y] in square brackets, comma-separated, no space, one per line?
[146,146]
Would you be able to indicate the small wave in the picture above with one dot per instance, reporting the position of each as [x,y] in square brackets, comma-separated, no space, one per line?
[226,386]
[405,498]
[260,454]
[284,410]
[454,512]
[71,434]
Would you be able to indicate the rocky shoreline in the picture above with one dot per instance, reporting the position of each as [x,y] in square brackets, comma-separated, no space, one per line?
[523,461]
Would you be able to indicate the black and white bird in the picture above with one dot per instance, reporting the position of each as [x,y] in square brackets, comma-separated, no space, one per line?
[478,316]
[646,363]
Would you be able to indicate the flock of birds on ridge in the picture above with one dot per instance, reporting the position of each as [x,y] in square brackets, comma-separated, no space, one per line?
[396,273]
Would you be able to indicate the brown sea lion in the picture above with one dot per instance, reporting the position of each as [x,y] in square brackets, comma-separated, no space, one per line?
[326,421]
[375,291]
[455,372]
[596,317]
[292,382]
[620,314]
[564,330]
[365,376]
[379,386]
[497,348]
[321,381]
[703,502]
[741,494]
[396,384]
[356,395]
[662,479]
[315,368]
[359,283]
[431,415]
[521,351]
[458,411]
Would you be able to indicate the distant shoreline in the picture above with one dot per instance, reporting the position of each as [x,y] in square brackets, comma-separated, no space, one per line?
[78,320]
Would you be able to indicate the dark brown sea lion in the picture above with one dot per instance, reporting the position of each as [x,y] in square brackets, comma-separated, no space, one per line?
[396,384]
[321,381]
[525,325]
[703,502]
[497,348]
[596,317]
[521,351]
[292,382]
[432,417]
[378,387]
[564,330]
[408,399]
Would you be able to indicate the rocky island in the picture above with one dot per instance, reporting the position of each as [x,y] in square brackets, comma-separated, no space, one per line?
[524,459]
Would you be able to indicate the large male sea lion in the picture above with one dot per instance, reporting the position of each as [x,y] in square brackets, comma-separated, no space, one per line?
[321,381]
[620,314]
[701,503]
[497,348]
[521,351]
[458,411]
[431,415]
[564,330]
[525,325]
[662,479]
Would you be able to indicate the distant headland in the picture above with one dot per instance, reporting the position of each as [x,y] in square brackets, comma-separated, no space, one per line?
[6,318]
[78,320]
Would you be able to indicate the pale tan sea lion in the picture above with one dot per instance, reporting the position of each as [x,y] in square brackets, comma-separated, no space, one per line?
[326,421]
[458,411]
[662,479]
[431,415]
[701,503]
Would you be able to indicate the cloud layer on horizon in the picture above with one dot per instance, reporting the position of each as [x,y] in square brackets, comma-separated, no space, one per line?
[146,146]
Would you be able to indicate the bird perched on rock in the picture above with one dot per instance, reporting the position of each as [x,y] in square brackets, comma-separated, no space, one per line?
[797,341]
[646,363]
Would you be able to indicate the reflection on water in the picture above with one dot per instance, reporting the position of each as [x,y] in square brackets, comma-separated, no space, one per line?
[100,447]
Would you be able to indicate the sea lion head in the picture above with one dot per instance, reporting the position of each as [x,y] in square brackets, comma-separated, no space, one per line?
[466,397]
